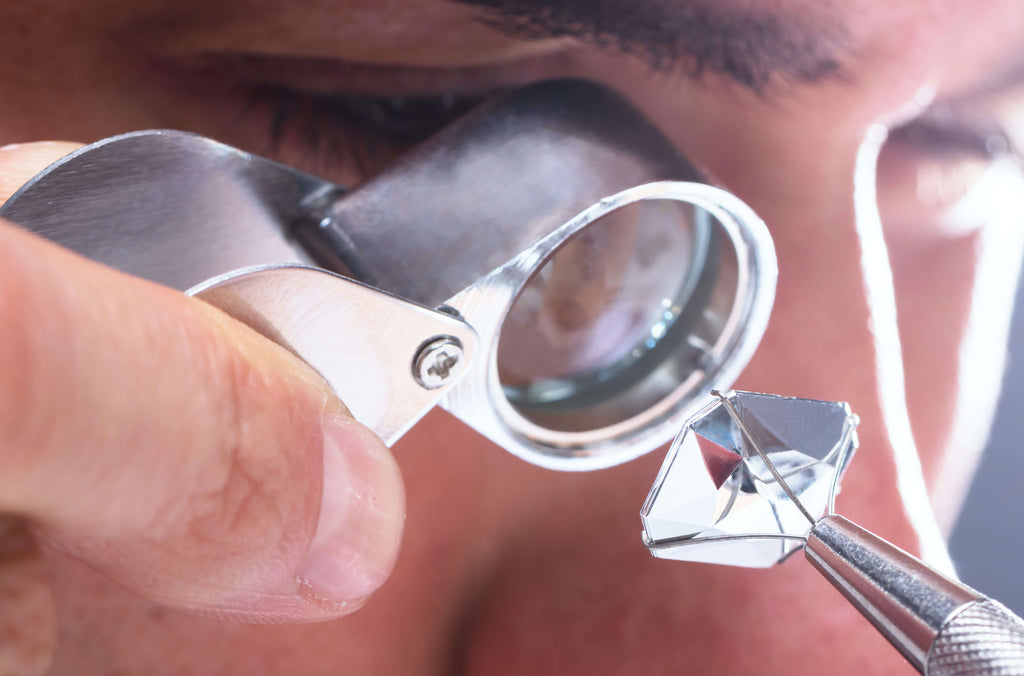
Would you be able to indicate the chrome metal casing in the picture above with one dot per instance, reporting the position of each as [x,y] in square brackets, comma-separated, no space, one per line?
[356,282]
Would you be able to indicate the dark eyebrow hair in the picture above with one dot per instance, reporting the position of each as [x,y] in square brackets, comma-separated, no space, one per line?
[752,45]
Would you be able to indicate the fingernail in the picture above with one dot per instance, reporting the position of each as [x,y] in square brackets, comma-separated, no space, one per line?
[362,512]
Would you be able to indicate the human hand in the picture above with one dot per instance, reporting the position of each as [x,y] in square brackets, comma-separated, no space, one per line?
[175,450]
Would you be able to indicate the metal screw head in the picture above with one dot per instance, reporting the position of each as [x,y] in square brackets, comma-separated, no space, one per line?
[436,361]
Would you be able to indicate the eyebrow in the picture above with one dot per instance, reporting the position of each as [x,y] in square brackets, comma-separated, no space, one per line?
[754,46]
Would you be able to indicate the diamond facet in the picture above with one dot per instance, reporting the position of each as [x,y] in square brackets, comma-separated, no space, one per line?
[716,500]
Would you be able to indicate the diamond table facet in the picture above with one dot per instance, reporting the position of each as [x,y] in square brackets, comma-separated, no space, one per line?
[716,500]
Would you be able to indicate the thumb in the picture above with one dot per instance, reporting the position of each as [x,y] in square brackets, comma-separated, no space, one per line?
[175,450]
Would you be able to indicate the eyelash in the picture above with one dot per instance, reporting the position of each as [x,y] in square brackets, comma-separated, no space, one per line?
[363,129]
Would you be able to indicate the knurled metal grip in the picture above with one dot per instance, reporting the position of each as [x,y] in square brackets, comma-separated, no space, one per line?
[981,639]
[908,602]
[941,626]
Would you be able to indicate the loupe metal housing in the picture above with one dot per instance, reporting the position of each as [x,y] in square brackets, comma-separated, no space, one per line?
[548,268]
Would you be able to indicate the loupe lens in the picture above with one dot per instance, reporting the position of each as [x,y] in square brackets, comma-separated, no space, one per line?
[618,318]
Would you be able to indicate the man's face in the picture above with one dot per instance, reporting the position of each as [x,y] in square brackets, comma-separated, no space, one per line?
[507,568]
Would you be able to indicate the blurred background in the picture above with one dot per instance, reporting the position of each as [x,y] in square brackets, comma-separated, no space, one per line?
[989,535]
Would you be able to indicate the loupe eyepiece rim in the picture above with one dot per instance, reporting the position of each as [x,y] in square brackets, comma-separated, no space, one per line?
[479,399]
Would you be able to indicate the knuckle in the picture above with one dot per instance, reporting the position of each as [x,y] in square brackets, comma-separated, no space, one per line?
[257,490]
[33,339]
[244,511]
[27,616]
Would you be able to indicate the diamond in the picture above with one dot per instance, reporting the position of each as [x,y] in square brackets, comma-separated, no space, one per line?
[715,499]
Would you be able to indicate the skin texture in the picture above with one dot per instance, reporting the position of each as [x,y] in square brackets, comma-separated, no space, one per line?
[504,567]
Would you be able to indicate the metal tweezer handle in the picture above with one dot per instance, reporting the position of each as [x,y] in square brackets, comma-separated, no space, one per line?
[943,627]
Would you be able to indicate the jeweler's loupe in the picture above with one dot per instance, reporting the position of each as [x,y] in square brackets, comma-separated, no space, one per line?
[548,268]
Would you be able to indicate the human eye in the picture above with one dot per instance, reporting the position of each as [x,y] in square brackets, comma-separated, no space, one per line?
[931,163]
[343,121]
[369,130]
[355,128]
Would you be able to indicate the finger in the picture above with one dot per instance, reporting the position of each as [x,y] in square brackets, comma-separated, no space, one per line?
[21,161]
[177,451]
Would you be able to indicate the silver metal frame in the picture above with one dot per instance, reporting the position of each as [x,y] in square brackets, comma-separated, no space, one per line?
[458,226]
[479,401]
[355,336]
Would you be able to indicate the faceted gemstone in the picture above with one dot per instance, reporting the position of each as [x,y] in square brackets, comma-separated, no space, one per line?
[716,501]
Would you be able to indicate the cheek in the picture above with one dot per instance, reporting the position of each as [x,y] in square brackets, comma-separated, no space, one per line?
[591,608]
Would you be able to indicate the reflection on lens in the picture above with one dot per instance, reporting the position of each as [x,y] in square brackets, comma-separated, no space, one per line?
[617,318]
